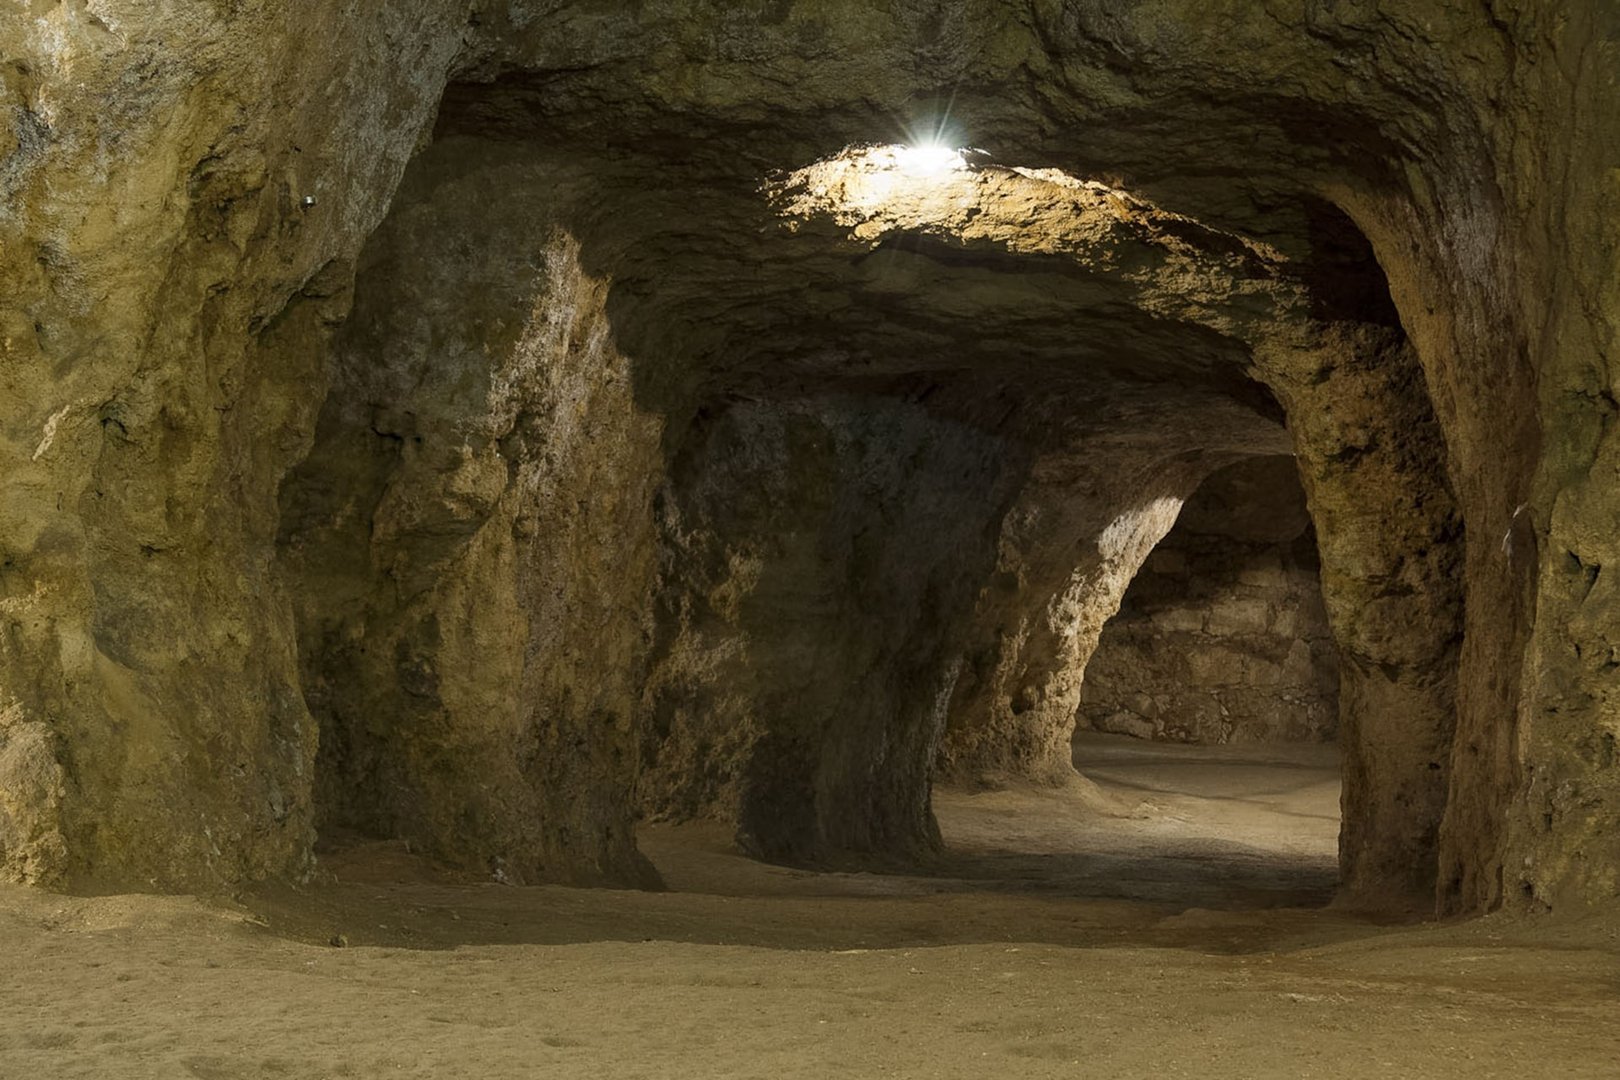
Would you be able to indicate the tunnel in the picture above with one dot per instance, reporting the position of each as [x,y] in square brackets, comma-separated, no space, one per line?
[873,447]
[1136,470]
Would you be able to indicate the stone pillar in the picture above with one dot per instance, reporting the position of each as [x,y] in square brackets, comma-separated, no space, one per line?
[820,559]
[471,539]
[1372,461]
[1069,547]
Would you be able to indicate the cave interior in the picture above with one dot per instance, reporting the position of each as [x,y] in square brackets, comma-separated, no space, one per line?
[767,447]
[513,434]
[841,453]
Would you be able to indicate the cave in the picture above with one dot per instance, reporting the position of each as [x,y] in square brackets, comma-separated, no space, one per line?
[735,505]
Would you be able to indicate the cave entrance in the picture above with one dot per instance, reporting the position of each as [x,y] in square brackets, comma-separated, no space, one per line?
[1207,727]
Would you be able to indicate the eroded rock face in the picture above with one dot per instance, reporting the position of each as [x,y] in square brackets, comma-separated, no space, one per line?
[183,188]
[1068,550]
[471,539]
[1370,456]
[1377,236]
[1222,636]
[32,786]
[819,559]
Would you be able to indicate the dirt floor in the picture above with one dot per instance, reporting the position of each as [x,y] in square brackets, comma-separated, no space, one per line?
[1164,924]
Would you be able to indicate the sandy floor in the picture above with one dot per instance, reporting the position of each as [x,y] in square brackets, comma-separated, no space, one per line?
[1160,938]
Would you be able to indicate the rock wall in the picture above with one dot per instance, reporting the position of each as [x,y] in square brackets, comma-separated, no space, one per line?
[1371,456]
[1551,734]
[818,560]
[471,538]
[1222,636]
[1037,620]
[183,188]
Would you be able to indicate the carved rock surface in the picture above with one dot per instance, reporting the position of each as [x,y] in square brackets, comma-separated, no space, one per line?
[1222,636]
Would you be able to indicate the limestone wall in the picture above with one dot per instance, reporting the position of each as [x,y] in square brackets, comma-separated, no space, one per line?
[818,560]
[471,539]
[1222,636]
[183,191]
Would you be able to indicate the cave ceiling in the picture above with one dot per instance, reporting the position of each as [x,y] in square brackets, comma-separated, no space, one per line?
[753,260]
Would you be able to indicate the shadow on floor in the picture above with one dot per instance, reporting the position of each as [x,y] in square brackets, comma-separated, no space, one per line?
[1230,852]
